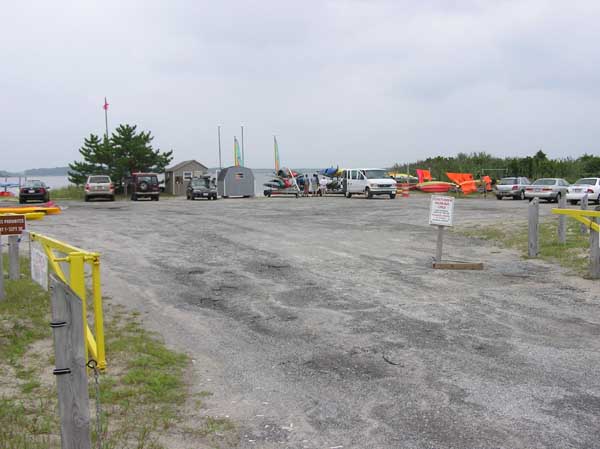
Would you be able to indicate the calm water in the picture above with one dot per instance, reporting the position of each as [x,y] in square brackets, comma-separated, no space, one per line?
[54,182]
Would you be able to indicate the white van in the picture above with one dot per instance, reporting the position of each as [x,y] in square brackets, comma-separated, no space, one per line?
[368,181]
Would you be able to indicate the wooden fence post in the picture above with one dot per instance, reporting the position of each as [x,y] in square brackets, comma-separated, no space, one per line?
[13,257]
[562,220]
[71,375]
[534,217]
[594,251]
[584,206]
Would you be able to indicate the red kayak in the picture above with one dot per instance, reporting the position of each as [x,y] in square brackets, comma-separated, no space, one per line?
[435,186]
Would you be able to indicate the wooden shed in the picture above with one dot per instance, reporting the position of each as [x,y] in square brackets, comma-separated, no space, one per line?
[178,176]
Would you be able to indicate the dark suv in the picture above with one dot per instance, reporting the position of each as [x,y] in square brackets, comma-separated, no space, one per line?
[143,185]
[202,187]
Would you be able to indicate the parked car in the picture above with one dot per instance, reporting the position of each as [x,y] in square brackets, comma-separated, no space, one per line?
[143,185]
[550,189]
[582,187]
[99,186]
[368,181]
[513,187]
[34,190]
[202,187]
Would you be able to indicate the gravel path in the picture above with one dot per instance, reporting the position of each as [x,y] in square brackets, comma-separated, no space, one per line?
[318,322]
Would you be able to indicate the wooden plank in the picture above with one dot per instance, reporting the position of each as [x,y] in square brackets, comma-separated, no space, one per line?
[458,265]
[594,252]
[72,386]
[562,221]
[533,234]
[13,257]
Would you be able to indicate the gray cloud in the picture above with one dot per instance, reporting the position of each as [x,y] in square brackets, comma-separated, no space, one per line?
[348,82]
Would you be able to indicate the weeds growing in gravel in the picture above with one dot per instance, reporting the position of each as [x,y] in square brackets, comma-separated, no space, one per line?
[574,254]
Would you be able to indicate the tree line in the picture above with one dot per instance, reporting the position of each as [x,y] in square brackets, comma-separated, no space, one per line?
[125,152]
[533,167]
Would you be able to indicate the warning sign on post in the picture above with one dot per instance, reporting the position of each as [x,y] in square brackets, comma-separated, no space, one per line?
[12,224]
[441,210]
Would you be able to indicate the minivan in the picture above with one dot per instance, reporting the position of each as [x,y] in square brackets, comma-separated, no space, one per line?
[368,181]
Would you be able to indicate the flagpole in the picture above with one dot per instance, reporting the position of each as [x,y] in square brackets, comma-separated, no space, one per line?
[106,117]
[219,134]
[243,159]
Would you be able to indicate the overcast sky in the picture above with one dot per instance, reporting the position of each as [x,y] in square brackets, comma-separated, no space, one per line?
[354,83]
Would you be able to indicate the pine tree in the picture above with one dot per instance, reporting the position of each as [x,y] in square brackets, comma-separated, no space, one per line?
[124,153]
[91,164]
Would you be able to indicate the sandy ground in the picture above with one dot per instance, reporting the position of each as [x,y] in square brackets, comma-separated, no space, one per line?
[318,322]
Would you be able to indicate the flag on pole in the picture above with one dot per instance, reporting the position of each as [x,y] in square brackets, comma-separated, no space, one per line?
[276,149]
[237,156]
[105,107]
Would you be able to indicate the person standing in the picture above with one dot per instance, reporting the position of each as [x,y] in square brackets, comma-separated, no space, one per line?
[315,184]
[306,185]
[323,186]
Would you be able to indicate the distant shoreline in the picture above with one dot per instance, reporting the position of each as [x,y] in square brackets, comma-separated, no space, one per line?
[55,171]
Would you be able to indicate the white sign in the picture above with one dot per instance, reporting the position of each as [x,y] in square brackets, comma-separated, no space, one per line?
[39,267]
[441,210]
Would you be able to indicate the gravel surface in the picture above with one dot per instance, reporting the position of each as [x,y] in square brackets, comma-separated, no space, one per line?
[319,322]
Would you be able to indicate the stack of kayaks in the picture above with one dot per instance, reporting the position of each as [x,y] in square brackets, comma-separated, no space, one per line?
[284,179]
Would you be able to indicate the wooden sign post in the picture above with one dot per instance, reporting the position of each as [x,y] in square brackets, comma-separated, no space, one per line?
[441,211]
[13,226]
[441,214]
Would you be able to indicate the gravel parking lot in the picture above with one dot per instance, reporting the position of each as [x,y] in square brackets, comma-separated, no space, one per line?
[319,322]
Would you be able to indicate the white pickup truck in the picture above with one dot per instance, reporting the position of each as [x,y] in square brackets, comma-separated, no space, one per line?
[368,181]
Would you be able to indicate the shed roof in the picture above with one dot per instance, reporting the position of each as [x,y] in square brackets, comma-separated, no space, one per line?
[235,168]
[184,163]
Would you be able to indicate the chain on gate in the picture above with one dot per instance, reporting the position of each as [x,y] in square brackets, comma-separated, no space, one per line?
[93,365]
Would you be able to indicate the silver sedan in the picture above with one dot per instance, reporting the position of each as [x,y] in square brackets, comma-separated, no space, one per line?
[550,189]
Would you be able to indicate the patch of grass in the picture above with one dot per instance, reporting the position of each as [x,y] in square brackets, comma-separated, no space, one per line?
[29,386]
[24,316]
[142,393]
[70,192]
[28,417]
[26,425]
[574,254]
